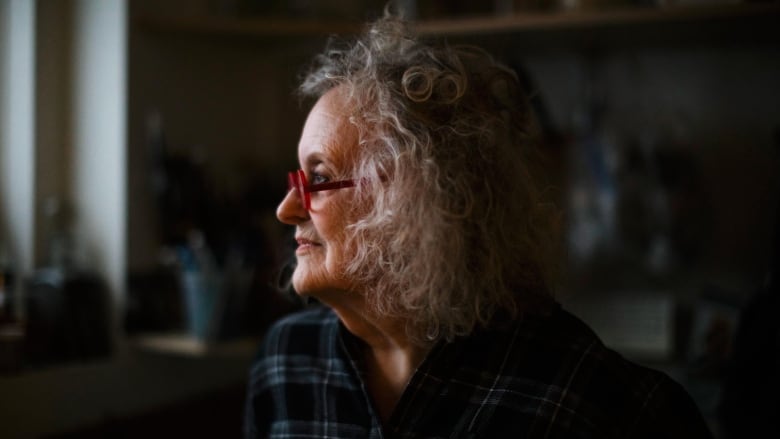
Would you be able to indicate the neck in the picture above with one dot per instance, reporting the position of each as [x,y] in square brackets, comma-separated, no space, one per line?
[390,357]
[379,332]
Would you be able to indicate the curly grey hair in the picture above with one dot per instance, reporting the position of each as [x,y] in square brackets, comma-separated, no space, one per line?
[457,229]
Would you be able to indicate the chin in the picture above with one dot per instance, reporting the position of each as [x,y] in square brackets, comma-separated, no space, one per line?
[308,282]
[317,282]
[300,283]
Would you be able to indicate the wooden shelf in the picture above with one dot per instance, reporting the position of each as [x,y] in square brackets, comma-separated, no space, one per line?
[726,14]
[260,27]
[71,397]
[743,21]
[188,346]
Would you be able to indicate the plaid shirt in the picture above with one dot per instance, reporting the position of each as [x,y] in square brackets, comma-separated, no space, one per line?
[545,376]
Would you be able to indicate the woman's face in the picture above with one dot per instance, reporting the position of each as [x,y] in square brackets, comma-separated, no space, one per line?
[325,151]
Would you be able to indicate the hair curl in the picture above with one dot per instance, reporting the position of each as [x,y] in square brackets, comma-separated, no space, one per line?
[458,229]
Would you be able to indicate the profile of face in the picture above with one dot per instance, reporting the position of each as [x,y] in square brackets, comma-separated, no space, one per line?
[327,144]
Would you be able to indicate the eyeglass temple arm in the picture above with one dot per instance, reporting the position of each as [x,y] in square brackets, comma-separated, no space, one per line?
[331,185]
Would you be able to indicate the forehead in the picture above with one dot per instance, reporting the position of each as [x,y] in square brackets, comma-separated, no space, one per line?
[328,136]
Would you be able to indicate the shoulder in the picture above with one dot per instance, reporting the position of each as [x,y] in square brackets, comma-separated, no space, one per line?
[569,347]
[299,332]
[554,366]
[295,348]
[287,367]
[609,389]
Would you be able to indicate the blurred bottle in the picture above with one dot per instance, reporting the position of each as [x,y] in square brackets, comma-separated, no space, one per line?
[67,305]
[593,162]
[7,279]
[11,329]
[201,281]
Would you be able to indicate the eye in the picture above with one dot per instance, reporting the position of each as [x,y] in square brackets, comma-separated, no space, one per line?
[317,178]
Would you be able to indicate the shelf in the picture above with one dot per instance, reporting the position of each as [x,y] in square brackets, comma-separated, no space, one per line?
[668,27]
[188,346]
[753,22]
[625,17]
[246,27]
[75,396]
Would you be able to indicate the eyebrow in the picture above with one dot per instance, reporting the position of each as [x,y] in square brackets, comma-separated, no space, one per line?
[314,159]
[325,156]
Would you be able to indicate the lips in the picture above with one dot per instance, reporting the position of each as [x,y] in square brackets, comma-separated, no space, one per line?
[305,244]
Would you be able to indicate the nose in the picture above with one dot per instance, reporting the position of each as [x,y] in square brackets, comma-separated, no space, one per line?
[291,210]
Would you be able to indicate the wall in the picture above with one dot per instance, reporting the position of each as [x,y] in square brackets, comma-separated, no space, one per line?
[98,127]
[717,105]
[17,157]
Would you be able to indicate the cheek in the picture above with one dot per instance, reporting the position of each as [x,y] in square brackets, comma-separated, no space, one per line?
[328,267]
[331,225]
[338,255]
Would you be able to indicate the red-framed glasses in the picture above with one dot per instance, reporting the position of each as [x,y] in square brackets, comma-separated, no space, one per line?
[297,180]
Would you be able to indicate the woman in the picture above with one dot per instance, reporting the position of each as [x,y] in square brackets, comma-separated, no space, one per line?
[421,231]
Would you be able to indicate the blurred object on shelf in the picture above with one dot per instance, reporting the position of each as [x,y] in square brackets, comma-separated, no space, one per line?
[8,312]
[202,286]
[714,319]
[712,330]
[593,166]
[154,301]
[11,348]
[7,286]
[662,210]
[67,317]
[11,329]
[67,304]
[231,299]
[191,296]
[58,219]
